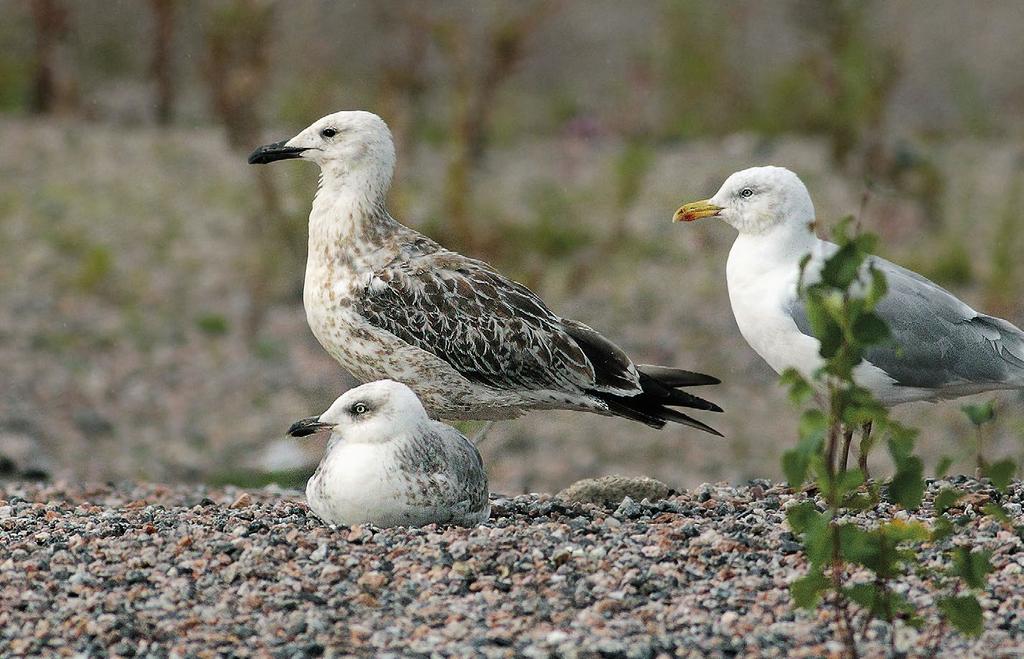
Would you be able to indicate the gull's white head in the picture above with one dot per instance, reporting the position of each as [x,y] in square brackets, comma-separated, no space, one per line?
[376,412]
[346,145]
[756,201]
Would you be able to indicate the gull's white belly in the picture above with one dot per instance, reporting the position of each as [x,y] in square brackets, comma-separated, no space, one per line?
[359,484]
[364,484]
[760,306]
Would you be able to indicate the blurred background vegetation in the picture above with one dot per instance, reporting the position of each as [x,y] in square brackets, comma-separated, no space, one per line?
[150,319]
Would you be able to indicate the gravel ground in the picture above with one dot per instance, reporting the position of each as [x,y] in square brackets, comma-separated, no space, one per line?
[157,570]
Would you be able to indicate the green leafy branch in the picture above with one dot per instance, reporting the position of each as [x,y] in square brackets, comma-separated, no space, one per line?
[841,299]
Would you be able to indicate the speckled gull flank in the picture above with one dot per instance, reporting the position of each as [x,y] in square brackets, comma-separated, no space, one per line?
[387,463]
[388,302]
[941,347]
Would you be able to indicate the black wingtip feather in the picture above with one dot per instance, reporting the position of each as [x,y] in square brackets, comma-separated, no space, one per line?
[677,377]
[654,405]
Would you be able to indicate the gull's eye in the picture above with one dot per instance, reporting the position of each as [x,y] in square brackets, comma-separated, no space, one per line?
[746,192]
[328,132]
[359,409]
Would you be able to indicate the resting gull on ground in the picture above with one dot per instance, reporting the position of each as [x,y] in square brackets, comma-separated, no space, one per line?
[941,347]
[388,302]
[388,464]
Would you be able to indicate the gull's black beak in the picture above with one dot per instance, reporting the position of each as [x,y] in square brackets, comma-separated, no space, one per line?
[308,426]
[276,151]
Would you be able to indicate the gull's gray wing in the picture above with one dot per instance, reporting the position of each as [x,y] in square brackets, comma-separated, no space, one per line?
[447,474]
[492,330]
[937,340]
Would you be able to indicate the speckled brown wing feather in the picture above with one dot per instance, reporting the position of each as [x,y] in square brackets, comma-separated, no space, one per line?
[492,330]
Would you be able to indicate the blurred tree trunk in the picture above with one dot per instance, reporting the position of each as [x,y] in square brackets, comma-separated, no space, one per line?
[634,162]
[237,71]
[53,87]
[404,80]
[161,64]
[238,66]
[477,82]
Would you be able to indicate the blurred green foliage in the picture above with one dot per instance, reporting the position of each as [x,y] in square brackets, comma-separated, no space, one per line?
[213,324]
[248,478]
[95,267]
[1007,247]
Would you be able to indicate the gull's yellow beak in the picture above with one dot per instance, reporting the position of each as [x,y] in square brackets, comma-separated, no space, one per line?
[695,211]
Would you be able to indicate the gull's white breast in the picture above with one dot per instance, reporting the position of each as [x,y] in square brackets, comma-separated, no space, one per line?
[762,276]
[761,290]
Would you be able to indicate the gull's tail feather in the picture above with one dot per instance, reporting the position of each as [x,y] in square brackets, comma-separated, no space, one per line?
[653,405]
[676,377]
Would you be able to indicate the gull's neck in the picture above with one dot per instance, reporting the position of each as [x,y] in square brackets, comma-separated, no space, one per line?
[781,246]
[348,217]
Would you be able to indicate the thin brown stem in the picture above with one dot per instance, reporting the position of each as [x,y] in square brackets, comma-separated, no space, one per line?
[840,603]
[847,440]
[979,452]
[865,448]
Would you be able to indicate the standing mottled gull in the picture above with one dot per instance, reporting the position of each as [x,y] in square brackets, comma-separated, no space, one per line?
[941,347]
[388,302]
[387,463]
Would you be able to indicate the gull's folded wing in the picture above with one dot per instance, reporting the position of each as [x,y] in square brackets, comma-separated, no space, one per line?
[938,341]
[492,330]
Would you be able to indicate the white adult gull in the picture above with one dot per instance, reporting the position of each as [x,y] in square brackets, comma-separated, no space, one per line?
[941,347]
[388,302]
[388,464]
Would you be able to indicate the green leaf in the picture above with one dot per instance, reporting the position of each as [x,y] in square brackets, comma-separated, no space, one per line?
[807,589]
[901,531]
[840,270]
[901,446]
[804,260]
[857,545]
[806,521]
[823,326]
[801,516]
[869,329]
[813,426]
[996,511]
[845,360]
[878,288]
[818,542]
[841,231]
[972,566]
[800,390]
[901,434]
[794,466]
[797,461]
[866,242]
[942,529]
[859,502]
[981,413]
[914,620]
[864,594]
[860,406]
[964,613]
[1001,473]
[907,485]
[879,602]
[946,497]
[945,462]
[848,481]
